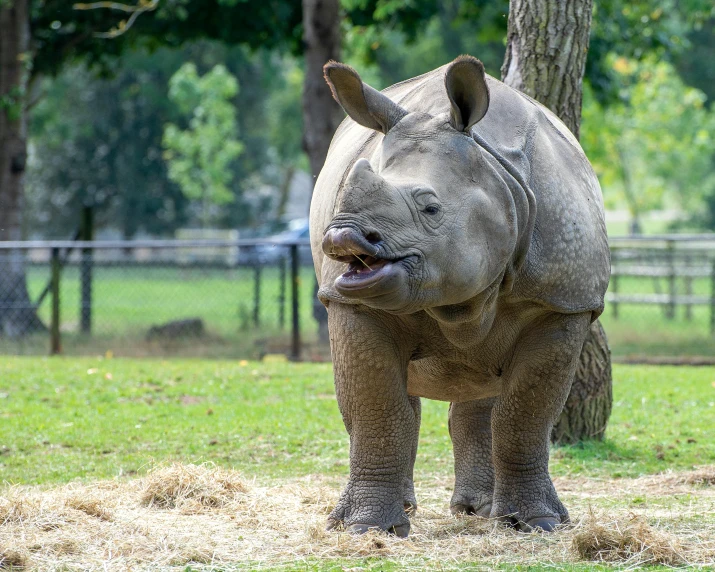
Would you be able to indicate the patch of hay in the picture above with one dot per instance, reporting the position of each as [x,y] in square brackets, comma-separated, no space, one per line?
[63,547]
[632,541]
[15,508]
[215,522]
[12,559]
[701,476]
[192,555]
[463,525]
[321,499]
[89,505]
[192,487]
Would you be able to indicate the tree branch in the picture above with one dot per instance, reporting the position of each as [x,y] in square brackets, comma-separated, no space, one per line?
[124,25]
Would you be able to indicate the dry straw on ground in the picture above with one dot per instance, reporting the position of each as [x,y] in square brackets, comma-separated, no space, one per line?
[192,488]
[210,517]
[626,540]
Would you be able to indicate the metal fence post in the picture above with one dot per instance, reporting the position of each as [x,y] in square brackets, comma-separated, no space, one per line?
[688,290]
[671,280]
[712,300]
[257,295]
[614,288]
[55,342]
[282,292]
[295,282]
[85,272]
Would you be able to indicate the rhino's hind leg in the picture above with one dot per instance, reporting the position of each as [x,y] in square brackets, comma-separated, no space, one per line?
[537,383]
[370,355]
[471,433]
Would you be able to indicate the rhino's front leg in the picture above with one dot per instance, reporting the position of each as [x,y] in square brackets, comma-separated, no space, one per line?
[471,432]
[370,356]
[536,386]
[408,496]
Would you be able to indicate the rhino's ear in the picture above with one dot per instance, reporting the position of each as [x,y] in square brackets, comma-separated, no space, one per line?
[366,105]
[467,91]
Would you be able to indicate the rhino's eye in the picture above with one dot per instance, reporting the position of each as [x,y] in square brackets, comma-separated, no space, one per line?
[431,209]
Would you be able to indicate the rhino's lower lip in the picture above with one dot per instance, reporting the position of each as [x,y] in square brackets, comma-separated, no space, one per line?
[365,275]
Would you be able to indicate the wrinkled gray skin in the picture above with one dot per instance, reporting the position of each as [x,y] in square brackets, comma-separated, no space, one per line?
[459,242]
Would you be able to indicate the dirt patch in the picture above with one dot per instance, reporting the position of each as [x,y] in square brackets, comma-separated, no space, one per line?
[207,516]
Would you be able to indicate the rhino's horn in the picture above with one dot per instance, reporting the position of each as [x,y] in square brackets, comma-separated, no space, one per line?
[467,91]
[362,103]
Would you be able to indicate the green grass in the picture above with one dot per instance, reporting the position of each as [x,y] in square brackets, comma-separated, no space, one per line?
[65,419]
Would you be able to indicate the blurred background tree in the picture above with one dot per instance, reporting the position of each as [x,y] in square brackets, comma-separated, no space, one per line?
[199,156]
[389,41]
[652,148]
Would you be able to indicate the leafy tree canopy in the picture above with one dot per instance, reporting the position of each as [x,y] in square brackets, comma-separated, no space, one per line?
[199,157]
[653,148]
[61,33]
[437,31]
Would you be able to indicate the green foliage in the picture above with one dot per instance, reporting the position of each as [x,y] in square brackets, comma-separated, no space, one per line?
[12,102]
[62,34]
[200,156]
[405,39]
[654,146]
[98,141]
[636,30]
[98,418]
[696,65]
[284,118]
[401,40]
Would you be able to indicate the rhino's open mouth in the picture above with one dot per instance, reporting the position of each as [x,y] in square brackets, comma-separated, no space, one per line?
[368,273]
[364,266]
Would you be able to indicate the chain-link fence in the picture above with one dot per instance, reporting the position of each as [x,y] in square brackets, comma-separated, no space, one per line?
[252,298]
[198,298]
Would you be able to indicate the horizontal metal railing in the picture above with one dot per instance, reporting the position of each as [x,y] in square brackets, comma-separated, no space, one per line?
[148,244]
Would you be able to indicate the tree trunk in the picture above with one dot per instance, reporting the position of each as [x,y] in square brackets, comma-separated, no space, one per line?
[321,114]
[547,43]
[588,406]
[17,314]
[546,47]
[284,191]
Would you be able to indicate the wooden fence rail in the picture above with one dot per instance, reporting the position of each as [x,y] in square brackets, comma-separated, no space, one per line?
[667,259]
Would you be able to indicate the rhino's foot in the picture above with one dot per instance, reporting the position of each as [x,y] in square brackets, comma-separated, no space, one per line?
[476,509]
[402,530]
[536,524]
[371,507]
[541,524]
[544,514]
[408,493]
[471,500]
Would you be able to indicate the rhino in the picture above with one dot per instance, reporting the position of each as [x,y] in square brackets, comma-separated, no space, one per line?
[458,237]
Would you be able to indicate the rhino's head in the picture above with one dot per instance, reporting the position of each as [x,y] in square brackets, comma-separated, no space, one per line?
[431,222]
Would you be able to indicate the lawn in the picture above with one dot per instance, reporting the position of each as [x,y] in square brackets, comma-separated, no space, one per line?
[99,418]
[80,421]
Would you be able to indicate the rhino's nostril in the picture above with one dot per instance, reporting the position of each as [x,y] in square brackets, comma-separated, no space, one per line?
[373,237]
